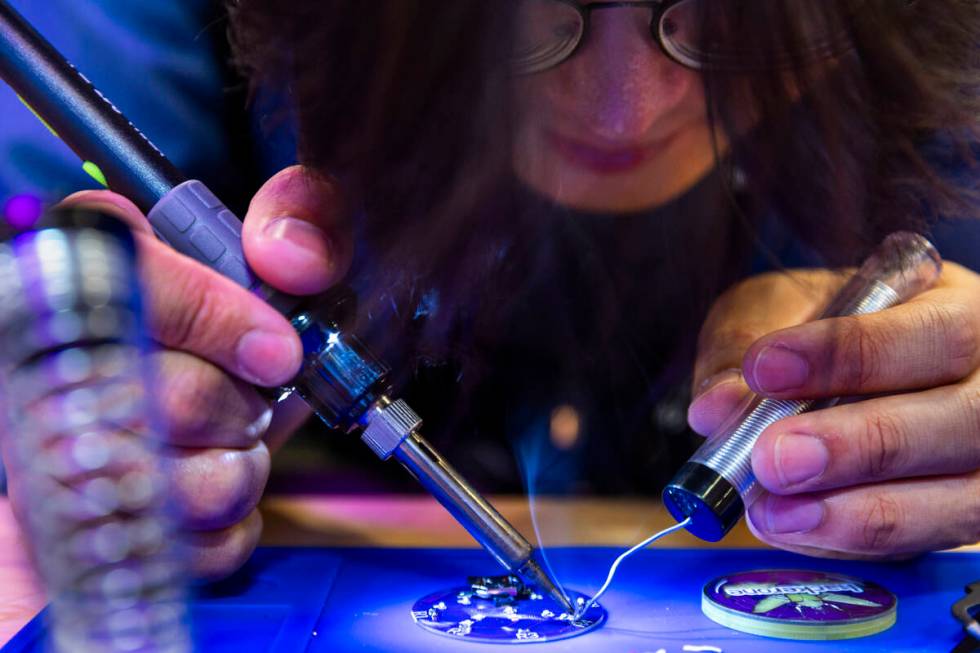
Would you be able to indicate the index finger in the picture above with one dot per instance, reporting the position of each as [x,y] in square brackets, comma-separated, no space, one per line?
[194,309]
[112,203]
[739,318]
[755,307]
[931,340]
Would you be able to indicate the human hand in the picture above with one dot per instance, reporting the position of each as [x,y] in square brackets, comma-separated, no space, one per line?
[893,475]
[217,343]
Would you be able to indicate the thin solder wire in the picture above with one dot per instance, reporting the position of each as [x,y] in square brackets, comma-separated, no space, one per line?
[615,565]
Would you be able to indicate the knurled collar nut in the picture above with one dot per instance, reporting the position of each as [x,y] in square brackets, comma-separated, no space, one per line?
[389,426]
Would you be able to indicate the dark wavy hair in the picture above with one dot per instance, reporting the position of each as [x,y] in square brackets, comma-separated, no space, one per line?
[407,100]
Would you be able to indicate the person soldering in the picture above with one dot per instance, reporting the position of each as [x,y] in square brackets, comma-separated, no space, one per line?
[550,194]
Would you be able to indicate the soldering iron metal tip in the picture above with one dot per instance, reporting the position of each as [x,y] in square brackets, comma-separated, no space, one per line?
[532,571]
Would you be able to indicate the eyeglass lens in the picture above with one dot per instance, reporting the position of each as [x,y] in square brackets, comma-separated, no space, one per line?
[695,33]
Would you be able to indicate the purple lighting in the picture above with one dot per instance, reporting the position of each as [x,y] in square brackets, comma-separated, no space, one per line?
[22,211]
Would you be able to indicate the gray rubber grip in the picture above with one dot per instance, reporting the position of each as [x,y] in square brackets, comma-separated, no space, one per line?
[195,223]
[192,220]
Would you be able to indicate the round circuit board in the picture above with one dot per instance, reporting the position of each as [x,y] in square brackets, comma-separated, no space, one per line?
[523,617]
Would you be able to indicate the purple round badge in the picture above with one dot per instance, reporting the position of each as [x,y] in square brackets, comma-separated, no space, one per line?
[799,604]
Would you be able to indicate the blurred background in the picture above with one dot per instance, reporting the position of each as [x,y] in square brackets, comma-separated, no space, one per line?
[167,65]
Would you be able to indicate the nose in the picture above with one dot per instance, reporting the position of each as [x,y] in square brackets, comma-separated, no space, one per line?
[623,83]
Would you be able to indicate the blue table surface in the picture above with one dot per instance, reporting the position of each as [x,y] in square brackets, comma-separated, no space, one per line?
[336,600]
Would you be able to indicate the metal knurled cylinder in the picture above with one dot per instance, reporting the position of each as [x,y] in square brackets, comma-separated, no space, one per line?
[390,424]
[731,455]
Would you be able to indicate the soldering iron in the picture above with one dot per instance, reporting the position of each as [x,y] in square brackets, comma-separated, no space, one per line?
[340,379]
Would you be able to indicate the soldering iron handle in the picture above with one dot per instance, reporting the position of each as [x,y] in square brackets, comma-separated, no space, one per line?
[197,224]
[71,107]
[185,214]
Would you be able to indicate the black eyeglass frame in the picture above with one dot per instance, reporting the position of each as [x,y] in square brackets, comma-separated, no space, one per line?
[831,48]
[659,7]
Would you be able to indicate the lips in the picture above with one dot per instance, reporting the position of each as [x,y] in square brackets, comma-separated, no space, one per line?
[604,159]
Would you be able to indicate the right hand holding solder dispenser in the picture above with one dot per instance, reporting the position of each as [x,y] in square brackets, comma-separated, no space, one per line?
[892,475]
[217,341]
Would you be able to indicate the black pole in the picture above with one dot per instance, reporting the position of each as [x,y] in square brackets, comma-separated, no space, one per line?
[82,117]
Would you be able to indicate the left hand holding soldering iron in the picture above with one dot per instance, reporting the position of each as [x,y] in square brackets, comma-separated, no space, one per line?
[219,427]
[895,474]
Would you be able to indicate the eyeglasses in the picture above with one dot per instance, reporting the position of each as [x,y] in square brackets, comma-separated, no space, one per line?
[697,34]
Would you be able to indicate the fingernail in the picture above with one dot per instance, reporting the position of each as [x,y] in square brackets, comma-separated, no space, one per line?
[716,399]
[782,515]
[778,369]
[799,458]
[717,379]
[257,429]
[306,238]
[266,358]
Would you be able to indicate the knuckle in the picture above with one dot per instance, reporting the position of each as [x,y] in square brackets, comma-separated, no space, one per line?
[729,326]
[185,324]
[726,304]
[973,512]
[747,289]
[203,406]
[857,355]
[970,398]
[216,554]
[957,337]
[725,346]
[882,524]
[189,387]
[883,445]
[216,488]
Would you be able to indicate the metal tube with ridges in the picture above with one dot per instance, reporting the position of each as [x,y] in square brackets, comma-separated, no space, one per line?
[716,485]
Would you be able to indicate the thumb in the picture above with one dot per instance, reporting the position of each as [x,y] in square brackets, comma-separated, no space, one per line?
[297,234]
[745,313]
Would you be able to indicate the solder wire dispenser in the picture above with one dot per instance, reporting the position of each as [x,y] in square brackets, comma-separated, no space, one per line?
[716,485]
[341,380]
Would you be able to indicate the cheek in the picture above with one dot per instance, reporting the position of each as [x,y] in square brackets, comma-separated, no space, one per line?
[528,95]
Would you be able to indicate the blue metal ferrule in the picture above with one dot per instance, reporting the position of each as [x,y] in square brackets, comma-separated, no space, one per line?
[340,379]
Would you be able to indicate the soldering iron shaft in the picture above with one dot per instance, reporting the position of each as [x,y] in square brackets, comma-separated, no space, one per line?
[477,516]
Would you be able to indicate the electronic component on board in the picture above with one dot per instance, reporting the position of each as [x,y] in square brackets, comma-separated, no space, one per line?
[502,610]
